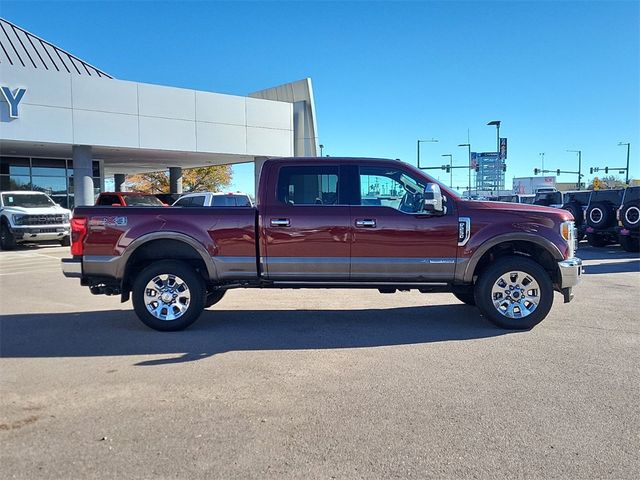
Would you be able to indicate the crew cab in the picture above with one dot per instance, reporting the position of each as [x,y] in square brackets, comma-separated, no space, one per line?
[330,223]
[31,217]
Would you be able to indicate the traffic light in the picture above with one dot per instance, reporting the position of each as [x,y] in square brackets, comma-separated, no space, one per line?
[591,171]
[477,168]
[606,169]
[558,172]
[537,170]
[504,167]
[448,168]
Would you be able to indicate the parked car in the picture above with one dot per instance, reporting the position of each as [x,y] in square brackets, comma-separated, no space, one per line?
[129,199]
[549,198]
[31,217]
[526,198]
[507,260]
[576,202]
[628,217]
[600,217]
[211,199]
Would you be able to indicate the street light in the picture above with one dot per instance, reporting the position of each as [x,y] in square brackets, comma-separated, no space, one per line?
[321,148]
[468,145]
[579,152]
[628,148]
[433,140]
[450,169]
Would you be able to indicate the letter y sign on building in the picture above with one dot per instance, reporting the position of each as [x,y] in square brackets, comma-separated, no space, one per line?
[13,99]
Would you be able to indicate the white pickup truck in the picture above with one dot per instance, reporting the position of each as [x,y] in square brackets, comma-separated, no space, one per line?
[31,217]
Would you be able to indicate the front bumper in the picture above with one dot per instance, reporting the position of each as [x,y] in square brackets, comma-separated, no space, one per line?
[40,233]
[570,272]
[71,267]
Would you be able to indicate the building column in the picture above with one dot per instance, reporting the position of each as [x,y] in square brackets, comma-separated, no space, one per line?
[175,180]
[119,179]
[82,176]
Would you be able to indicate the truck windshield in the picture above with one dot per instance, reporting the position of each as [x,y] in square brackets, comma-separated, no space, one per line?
[26,200]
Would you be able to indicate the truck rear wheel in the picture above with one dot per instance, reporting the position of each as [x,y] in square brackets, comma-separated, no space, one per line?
[168,296]
[514,293]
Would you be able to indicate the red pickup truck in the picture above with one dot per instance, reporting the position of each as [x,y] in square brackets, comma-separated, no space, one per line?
[330,223]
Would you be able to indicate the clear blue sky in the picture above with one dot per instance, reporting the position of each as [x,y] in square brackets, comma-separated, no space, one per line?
[559,75]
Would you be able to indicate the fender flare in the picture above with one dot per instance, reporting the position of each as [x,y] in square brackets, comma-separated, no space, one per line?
[166,235]
[472,263]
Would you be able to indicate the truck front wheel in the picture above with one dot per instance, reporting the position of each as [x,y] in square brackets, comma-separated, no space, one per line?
[168,296]
[7,240]
[515,293]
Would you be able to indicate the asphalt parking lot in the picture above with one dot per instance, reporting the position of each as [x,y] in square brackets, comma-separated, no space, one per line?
[317,383]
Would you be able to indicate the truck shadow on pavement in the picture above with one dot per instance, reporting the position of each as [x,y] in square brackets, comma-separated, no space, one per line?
[116,333]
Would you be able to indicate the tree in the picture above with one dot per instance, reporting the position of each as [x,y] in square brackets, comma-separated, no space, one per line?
[200,179]
[609,181]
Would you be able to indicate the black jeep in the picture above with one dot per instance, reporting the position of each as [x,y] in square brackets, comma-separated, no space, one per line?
[600,217]
[629,220]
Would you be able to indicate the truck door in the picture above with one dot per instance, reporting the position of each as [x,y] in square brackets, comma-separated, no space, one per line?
[393,238]
[305,224]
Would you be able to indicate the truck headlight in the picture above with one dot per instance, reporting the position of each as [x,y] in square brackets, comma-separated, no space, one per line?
[18,219]
[568,233]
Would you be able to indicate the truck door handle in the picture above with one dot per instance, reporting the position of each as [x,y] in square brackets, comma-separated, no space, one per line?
[280,222]
[366,223]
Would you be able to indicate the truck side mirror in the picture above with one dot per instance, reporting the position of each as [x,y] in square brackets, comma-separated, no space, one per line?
[433,199]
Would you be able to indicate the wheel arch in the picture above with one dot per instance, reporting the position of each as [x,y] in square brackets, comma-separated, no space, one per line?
[536,247]
[163,246]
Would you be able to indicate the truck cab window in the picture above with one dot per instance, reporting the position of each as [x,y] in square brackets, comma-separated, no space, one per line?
[308,185]
[393,188]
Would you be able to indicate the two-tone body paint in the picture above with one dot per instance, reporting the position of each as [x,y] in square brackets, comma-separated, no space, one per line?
[322,243]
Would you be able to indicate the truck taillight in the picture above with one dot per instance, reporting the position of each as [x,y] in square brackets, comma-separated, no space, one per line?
[78,234]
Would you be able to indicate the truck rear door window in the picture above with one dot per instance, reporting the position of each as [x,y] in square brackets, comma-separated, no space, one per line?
[309,185]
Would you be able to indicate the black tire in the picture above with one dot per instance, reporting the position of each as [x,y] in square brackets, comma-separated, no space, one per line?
[66,241]
[629,244]
[530,271]
[630,215]
[574,209]
[189,279]
[213,298]
[7,240]
[600,215]
[597,241]
[467,297]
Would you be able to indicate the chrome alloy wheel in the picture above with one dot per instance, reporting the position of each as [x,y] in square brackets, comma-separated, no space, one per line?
[515,294]
[167,297]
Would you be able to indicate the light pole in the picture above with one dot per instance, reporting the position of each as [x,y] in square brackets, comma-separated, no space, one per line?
[579,152]
[500,159]
[321,148]
[450,168]
[497,124]
[542,157]
[433,140]
[628,149]
[468,145]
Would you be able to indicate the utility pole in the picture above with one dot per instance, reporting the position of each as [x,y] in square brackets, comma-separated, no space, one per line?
[579,152]
[468,145]
[628,149]
[433,140]
[450,168]
[542,156]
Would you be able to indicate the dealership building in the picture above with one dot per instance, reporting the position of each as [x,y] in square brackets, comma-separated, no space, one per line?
[65,125]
